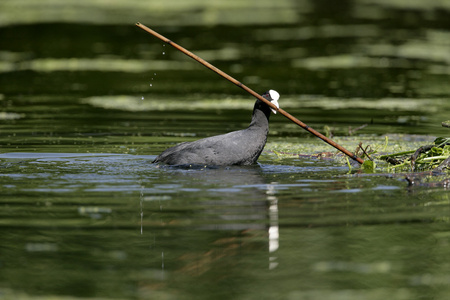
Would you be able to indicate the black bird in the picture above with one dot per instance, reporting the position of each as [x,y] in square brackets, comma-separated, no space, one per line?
[241,147]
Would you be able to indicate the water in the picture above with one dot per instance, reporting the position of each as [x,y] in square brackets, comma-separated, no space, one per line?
[87,101]
[106,225]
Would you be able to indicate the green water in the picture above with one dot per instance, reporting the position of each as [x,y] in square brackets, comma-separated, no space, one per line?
[87,100]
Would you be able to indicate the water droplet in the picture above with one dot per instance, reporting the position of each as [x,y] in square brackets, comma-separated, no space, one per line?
[142,98]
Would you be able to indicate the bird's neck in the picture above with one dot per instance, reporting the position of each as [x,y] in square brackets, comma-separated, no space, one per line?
[260,120]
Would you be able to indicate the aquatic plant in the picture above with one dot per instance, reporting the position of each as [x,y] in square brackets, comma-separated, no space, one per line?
[395,155]
[426,158]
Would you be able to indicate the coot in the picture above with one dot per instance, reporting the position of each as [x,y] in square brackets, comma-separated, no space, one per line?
[241,147]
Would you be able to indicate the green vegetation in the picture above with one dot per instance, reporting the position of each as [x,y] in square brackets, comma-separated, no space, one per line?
[425,158]
[389,154]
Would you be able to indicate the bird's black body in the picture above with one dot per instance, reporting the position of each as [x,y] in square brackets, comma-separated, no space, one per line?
[241,147]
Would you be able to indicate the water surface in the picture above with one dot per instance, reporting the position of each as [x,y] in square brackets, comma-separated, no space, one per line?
[87,101]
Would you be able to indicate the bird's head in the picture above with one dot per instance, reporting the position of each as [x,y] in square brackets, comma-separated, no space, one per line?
[273,97]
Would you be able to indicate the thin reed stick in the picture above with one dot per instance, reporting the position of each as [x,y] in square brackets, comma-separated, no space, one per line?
[251,92]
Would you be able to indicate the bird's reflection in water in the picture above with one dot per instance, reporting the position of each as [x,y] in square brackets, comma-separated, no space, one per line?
[223,199]
[274,235]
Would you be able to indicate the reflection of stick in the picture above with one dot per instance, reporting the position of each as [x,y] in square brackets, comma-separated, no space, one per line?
[251,92]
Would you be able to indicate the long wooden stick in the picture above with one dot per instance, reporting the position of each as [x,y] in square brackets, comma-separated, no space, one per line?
[251,92]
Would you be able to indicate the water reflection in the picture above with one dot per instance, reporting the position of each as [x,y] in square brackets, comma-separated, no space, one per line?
[274,232]
[223,210]
[202,202]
